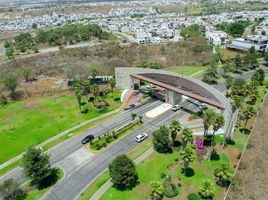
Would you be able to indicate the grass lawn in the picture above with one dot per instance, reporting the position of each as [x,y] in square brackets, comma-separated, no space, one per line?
[157,164]
[186,70]
[30,122]
[135,153]
[34,193]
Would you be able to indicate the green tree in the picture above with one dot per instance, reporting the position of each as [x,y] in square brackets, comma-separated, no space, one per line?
[228,84]
[187,136]
[162,140]
[187,155]
[174,128]
[11,82]
[156,191]
[10,190]
[224,174]
[86,87]
[237,102]
[9,52]
[36,166]
[94,73]
[112,84]
[237,63]
[78,93]
[217,123]
[191,31]
[207,189]
[208,117]
[95,89]
[26,73]
[123,172]
[35,48]
[248,113]
[266,57]
[227,67]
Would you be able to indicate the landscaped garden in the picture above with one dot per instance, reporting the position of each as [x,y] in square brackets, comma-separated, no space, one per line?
[188,167]
[30,122]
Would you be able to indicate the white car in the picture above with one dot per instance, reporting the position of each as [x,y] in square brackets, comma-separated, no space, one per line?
[202,105]
[141,137]
[176,107]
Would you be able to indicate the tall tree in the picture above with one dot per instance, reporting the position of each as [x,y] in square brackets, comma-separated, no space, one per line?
[10,82]
[86,87]
[228,84]
[217,122]
[162,140]
[226,67]
[187,155]
[207,116]
[207,189]
[94,73]
[95,89]
[10,190]
[248,113]
[174,128]
[238,63]
[78,93]
[187,136]
[237,102]
[36,166]
[112,84]
[156,191]
[123,172]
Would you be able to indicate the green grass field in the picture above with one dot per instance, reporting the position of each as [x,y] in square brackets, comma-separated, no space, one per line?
[28,123]
[158,164]
[186,70]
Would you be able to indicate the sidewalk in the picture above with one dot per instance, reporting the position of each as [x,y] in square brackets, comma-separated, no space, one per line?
[108,184]
[124,103]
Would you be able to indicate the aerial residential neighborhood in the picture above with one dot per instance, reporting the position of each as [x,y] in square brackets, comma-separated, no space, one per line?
[133,99]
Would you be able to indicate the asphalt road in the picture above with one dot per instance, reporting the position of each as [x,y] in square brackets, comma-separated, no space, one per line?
[74,182]
[64,149]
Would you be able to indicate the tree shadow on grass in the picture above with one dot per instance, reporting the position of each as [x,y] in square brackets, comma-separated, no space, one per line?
[189,172]
[214,156]
[123,188]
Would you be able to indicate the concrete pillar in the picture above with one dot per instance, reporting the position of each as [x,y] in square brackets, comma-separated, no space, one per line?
[172,97]
[134,82]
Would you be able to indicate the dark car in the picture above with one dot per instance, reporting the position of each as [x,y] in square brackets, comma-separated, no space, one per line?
[88,139]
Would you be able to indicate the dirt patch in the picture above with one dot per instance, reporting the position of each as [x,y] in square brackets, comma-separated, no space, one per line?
[250,181]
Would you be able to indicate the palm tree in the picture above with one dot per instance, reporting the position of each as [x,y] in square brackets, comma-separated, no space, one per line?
[187,156]
[187,136]
[217,123]
[207,116]
[224,173]
[94,73]
[78,93]
[86,87]
[174,128]
[112,84]
[237,102]
[207,189]
[156,191]
[228,84]
[95,89]
[248,113]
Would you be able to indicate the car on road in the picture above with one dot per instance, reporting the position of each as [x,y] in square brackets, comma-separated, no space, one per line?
[202,105]
[141,137]
[176,107]
[88,139]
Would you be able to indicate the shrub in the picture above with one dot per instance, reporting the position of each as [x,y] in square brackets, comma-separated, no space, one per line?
[170,190]
[194,197]
[116,99]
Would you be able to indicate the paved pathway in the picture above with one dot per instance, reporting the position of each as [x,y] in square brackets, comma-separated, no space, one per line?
[108,184]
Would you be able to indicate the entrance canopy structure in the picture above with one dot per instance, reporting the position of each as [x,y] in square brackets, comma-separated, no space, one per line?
[180,86]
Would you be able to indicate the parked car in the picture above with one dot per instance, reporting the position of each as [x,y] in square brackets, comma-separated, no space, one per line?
[176,107]
[88,139]
[202,105]
[141,137]
[151,87]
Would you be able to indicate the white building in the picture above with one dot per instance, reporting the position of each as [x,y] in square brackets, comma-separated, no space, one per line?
[244,44]
[217,37]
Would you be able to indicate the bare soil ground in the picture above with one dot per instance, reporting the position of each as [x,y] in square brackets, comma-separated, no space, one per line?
[251,179]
